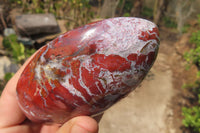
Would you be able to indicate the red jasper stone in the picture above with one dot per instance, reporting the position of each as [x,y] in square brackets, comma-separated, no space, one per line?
[86,70]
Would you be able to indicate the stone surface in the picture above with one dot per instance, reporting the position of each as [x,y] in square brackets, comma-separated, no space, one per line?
[8,31]
[87,70]
[32,24]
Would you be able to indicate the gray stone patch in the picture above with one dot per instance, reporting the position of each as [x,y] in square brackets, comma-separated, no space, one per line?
[32,24]
[7,66]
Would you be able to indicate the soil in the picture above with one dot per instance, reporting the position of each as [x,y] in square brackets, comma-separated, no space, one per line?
[155,106]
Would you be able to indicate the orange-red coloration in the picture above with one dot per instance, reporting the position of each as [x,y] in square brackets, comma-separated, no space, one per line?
[87,70]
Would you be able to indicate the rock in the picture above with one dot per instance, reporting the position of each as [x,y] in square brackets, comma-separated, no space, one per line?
[26,41]
[8,31]
[6,66]
[32,24]
[88,69]
[48,38]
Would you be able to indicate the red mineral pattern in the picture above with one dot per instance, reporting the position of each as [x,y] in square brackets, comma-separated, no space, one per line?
[88,69]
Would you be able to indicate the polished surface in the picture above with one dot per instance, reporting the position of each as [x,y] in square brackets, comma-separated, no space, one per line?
[86,70]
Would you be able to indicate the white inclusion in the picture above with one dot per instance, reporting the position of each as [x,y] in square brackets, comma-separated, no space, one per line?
[48,72]
[60,38]
[65,83]
[48,68]
[38,71]
[38,66]
[26,96]
[96,83]
[105,75]
[32,113]
[149,47]
[110,24]
[45,89]
[133,63]
[59,97]
[146,59]
[36,91]
[48,116]
[44,100]
[122,36]
[153,33]
[103,83]
[23,107]
[83,84]
[88,34]
[108,77]
[56,64]
[42,58]
[52,85]
[87,64]
[76,104]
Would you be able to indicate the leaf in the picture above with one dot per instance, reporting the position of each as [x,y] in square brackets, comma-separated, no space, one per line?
[8,76]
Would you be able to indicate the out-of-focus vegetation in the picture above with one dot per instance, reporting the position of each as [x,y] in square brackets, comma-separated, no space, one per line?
[192,114]
[193,56]
[147,12]
[16,50]
[192,117]
[8,76]
[78,12]
[168,22]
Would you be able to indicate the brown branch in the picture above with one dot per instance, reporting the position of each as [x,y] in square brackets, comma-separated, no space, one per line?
[189,12]
[3,21]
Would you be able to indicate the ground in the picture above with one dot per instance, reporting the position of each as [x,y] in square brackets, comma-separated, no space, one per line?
[155,106]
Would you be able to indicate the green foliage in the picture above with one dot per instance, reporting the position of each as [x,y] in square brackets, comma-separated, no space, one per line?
[127,6]
[8,76]
[190,85]
[29,52]
[192,117]
[16,49]
[185,28]
[7,41]
[195,38]
[192,114]
[169,22]
[193,56]
[126,15]
[147,12]
[198,18]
